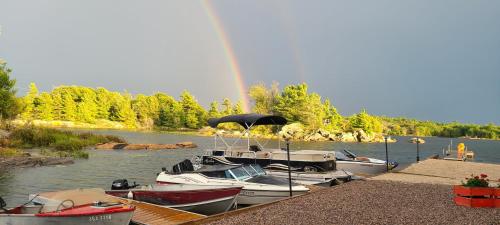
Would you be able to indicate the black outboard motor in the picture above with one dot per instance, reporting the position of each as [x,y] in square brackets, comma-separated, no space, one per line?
[121,184]
[2,204]
[184,166]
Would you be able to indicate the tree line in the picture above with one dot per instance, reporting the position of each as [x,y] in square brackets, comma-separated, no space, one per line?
[294,102]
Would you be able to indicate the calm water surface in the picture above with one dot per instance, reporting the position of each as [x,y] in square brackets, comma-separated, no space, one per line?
[141,166]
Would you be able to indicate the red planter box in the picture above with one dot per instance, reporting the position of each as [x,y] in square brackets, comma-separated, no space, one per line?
[497,197]
[497,192]
[475,202]
[473,191]
[475,196]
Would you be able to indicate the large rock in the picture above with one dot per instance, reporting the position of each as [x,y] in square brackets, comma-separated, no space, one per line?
[110,146]
[315,137]
[346,137]
[187,144]
[361,136]
[293,131]
[113,145]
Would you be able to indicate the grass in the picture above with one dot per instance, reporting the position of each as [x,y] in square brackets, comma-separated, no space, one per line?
[10,152]
[63,143]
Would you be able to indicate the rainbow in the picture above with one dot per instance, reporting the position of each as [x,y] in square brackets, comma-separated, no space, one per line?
[229,52]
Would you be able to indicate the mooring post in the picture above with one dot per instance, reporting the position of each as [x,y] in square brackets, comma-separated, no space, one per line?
[386,155]
[418,151]
[289,170]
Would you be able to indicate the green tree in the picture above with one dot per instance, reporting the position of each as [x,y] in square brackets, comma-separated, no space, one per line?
[45,107]
[263,98]
[237,108]
[103,101]
[9,105]
[121,110]
[366,122]
[332,119]
[297,105]
[29,103]
[194,116]
[213,112]
[227,107]
[69,107]
[170,111]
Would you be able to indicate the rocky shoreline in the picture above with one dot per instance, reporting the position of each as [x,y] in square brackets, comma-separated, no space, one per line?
[297,132]
[7,163]
[125,146]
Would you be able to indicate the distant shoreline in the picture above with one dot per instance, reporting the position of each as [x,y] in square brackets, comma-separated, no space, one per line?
[111,125]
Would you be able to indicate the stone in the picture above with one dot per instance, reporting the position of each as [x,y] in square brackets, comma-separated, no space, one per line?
[187,144]
[346,137]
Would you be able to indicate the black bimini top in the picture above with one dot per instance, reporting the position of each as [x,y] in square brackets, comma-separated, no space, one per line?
[248,120]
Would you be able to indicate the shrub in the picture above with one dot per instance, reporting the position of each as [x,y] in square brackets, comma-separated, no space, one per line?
[476,181]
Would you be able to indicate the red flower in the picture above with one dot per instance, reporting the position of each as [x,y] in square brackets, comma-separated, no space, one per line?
[476,177]
[483,175]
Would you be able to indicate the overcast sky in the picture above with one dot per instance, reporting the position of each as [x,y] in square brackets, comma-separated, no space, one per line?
[436,60]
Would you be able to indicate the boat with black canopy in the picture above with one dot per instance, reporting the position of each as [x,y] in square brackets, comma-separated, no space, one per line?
[307,166]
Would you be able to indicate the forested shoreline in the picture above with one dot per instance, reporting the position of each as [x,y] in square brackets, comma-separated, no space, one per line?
[296,103]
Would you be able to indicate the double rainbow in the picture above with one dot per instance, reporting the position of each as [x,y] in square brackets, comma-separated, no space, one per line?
[229,53]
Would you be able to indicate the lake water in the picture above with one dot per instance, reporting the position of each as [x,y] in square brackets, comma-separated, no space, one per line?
[141,166]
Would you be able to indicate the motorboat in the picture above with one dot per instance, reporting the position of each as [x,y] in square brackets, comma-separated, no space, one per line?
[304,160]
[67,213]
[347,160]
[322,178]
[202,199]
[258,187]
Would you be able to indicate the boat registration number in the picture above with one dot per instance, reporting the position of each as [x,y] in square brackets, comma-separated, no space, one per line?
[99,218]
[248,193]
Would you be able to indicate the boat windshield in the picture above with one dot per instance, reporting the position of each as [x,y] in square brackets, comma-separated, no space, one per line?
[341,156]
[258,169]
[240,173]
[250,170]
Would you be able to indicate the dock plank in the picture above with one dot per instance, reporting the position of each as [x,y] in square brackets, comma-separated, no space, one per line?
[151,214]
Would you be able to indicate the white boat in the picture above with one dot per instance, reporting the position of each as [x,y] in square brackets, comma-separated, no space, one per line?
[321,178]
[257,187]
[67,213]
[362,165]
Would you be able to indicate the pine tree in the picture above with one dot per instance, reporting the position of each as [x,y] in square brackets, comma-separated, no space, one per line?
[227,107]
[238,109]
[213,112]
[29,103]
[45,107]
[69,107]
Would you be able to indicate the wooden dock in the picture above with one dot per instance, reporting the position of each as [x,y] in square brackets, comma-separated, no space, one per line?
[438,171]
[150,214]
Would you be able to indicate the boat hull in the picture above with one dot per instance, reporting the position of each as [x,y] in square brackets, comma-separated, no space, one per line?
[121,218]
[206,201]
[362,168]
[210,207]
[323,179]
[254,197]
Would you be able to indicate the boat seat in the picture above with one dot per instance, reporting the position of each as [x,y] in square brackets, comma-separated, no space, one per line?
[363,159]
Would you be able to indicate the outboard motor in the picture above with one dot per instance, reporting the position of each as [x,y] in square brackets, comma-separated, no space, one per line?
[184,166]
[2,204]
[121,184]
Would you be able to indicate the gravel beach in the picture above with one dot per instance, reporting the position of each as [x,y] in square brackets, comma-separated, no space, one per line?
[369,202]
